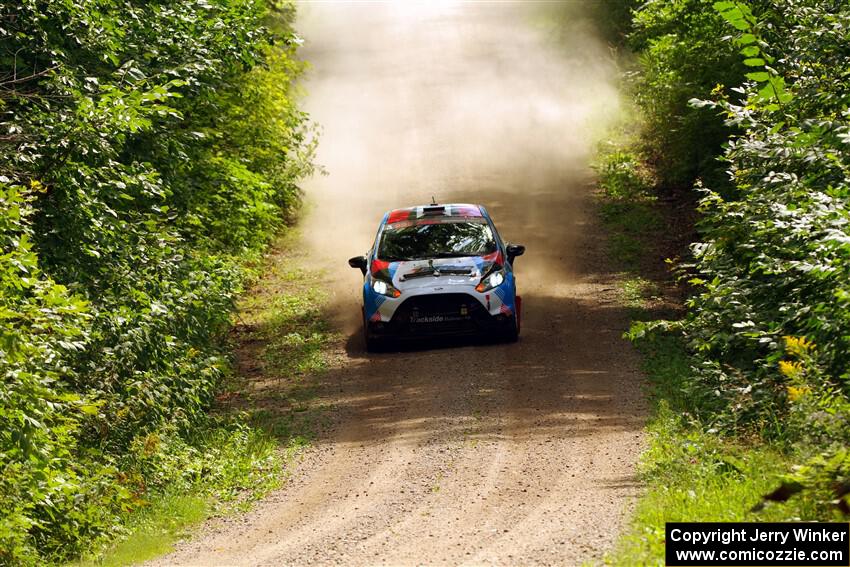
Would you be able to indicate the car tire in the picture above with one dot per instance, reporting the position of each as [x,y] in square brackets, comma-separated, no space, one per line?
[511,335]
[374,344]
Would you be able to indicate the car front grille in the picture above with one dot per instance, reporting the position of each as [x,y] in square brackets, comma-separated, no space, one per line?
[443,313]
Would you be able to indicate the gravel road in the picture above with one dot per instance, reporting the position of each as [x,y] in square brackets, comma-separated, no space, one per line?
[461,453]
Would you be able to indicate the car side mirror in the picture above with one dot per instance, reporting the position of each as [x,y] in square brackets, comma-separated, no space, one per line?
[515,250]
[358,262]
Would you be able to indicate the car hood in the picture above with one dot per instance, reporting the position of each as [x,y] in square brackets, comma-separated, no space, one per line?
[440,272]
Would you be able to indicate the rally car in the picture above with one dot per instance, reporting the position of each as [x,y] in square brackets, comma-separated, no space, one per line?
[439,270]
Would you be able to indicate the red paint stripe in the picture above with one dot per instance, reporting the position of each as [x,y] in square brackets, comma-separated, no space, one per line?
[495,257]
[399,215]
[379,265]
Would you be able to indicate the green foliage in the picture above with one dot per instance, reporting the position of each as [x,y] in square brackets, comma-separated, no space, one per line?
[628,208]
[623,177]
[264,417]
[285,322]
[146,148]
[695,476]
[751,389]
[44,326]
[694,473]
[769,323]
[153,531]
[774,261]
[682,56]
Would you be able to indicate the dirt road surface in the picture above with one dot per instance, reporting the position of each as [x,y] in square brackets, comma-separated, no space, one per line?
[463,453]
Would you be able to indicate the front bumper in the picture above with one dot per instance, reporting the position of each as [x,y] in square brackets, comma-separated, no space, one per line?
[441,315]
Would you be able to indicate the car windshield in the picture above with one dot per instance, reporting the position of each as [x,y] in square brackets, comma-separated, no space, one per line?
[444,239]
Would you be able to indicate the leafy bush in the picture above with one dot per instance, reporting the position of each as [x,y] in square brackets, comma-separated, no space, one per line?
[623,177]
[770,324]
[44,488]
[147,149]
[682,55]
[774,261]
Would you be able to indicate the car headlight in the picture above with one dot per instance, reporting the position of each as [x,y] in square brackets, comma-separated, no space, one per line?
[383,288]
[491,280]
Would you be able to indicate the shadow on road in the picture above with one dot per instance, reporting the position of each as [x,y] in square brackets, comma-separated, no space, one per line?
[551,383]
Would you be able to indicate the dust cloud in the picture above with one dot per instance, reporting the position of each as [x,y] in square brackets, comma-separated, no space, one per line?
[495,103]
[496,453]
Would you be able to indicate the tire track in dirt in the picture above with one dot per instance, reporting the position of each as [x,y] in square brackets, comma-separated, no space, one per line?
[460,453]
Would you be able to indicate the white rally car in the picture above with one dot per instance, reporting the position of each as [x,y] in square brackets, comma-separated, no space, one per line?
[439,270]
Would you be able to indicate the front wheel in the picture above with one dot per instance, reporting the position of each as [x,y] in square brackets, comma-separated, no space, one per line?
[373,344]
[511,334]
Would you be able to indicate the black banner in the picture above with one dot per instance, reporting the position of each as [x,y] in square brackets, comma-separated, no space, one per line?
[692,544]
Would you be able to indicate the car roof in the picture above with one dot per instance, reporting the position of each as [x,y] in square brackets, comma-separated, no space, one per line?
[451,210]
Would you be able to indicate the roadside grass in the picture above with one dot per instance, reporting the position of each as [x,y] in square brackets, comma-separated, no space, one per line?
[152,530]
[628,208]
[265,413]
[689,472]
[629,221]
[228,465]
[285,341]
